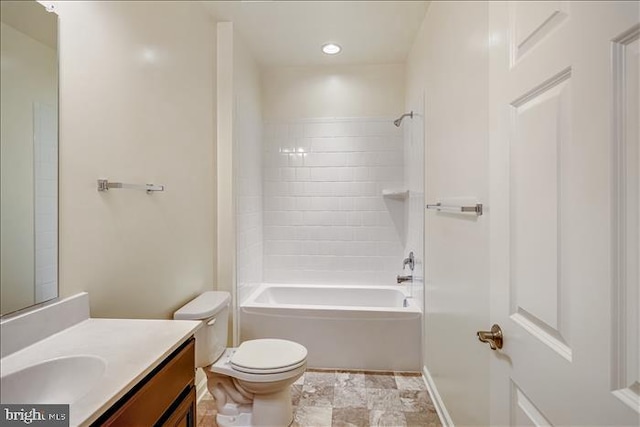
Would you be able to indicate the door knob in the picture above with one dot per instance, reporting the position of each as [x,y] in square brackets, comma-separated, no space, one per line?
[492,337]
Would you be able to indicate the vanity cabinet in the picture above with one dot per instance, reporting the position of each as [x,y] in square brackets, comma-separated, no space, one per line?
[165,397]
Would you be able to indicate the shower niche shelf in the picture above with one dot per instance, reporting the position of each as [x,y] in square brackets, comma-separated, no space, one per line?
[398,194]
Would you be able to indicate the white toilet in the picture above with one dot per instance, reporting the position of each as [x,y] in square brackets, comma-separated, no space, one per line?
[251,383]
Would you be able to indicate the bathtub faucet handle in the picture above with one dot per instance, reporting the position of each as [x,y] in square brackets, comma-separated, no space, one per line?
[411,261]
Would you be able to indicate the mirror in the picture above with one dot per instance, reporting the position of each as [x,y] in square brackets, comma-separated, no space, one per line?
[28,155]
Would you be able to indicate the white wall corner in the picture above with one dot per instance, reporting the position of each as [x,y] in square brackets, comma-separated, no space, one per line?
[226,245]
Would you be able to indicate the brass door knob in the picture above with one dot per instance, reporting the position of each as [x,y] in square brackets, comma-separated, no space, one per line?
[492,337]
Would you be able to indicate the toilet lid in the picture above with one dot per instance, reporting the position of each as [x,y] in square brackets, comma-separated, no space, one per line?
[268,356]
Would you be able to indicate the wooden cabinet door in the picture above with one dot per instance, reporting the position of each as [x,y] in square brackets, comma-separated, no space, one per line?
[185,413]
[151,401]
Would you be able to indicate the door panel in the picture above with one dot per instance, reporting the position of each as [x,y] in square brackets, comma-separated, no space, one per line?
[557,279]
[532,22]
[539,129]
[626,225]
[523,411]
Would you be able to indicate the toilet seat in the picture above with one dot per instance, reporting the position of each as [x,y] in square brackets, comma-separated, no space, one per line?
[268,356]
[223,366]
[269,371]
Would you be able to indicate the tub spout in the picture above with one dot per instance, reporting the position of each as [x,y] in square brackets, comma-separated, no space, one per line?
[402,279]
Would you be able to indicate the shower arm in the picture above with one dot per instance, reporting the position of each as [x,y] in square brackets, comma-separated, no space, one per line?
[398,121]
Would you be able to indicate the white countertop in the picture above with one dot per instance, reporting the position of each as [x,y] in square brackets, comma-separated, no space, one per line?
[131,349]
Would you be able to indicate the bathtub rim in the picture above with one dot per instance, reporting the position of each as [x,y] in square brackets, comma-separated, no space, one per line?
[250,302]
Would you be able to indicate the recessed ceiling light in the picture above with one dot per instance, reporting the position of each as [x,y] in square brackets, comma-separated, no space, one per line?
[331,48]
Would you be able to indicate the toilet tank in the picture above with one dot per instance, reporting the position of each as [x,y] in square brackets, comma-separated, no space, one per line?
[212,308]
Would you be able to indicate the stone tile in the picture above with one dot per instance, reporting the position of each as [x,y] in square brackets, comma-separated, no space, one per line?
[349,397]
[379,380]
[350,417]
[312,416]
[422,419]
[206,407]
[340,399]
[383,399]
[296,392]
[208,421]
[320,378]
[409,381]
[313,395]
[416,401]
[387,419]
[350,379]
[300,381]
[206,412]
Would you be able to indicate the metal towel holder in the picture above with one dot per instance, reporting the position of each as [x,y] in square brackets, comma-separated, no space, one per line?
[105,185]
[477,209]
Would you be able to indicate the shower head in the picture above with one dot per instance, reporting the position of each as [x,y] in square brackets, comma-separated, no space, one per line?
[398,121]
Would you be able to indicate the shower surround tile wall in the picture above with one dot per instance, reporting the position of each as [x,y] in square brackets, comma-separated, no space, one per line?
[249,217]
[325,220]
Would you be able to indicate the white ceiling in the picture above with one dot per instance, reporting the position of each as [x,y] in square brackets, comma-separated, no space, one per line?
[290,33]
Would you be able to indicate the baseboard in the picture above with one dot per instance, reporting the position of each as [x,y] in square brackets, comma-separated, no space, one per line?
[201,389]
[445,418]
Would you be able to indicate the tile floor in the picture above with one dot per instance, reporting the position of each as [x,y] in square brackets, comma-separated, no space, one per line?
[352,399]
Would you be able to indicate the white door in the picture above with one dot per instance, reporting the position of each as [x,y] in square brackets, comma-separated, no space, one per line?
[564,212]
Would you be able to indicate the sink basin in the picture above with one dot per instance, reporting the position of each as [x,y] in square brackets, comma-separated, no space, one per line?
[60,380]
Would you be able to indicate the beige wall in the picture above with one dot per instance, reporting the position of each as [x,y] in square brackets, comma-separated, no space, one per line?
[449,61]
[137,105]
[29,74]
[334,91]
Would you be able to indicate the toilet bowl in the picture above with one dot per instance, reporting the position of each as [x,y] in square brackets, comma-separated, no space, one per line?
[251,383]
[262,371]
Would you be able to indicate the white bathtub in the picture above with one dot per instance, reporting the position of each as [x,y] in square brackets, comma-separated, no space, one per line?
[343,327]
